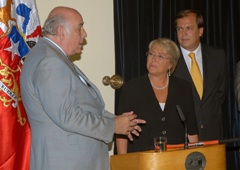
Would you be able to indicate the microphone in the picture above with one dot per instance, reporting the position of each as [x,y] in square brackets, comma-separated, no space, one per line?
[229,140]
[182,117]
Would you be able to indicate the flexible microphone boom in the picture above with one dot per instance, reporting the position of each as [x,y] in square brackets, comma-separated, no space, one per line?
[182,117]
[229,140]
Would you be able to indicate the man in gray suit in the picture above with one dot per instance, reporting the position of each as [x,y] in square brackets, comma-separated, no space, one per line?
[70,127]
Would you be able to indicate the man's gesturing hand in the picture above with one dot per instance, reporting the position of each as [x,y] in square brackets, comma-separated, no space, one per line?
[127,123]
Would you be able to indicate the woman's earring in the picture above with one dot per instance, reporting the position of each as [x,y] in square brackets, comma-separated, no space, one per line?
[169,72]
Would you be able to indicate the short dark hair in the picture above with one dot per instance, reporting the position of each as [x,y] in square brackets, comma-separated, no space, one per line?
[184,13]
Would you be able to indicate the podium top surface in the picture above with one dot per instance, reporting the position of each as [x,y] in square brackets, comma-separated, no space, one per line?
[205,157]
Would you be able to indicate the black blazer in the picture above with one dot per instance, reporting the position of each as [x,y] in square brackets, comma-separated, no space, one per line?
[208,110]
[138,96]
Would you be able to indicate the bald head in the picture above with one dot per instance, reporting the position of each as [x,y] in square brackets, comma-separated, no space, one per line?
[59,16]
[64,26]
[64,11]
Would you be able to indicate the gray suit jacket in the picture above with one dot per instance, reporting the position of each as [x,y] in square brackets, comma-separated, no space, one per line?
[70,127]
[208,110]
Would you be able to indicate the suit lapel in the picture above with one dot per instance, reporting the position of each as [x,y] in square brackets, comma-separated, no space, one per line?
[92,87]
[205,56]
[183,72]
[145,81]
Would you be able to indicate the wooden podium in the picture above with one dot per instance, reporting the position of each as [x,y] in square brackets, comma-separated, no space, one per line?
[211,157]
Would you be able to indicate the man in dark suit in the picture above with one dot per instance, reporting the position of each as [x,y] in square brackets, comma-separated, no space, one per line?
[210,86]
[237,84]
[70,127]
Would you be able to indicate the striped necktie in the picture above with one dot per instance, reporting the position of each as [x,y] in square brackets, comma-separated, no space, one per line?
[196,75]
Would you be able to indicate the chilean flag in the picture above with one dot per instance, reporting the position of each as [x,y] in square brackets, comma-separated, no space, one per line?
[19,32]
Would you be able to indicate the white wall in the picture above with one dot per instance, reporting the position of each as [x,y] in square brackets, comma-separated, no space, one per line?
[97,58]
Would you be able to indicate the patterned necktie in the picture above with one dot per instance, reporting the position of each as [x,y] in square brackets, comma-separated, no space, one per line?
[196,75]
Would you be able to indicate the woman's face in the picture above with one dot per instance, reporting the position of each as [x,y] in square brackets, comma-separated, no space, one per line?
[158,60]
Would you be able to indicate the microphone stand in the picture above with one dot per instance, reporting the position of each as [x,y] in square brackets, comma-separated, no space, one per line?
[186,136]
[182,117]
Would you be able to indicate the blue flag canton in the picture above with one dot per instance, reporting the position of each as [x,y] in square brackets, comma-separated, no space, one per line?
[18,40]
[24,29]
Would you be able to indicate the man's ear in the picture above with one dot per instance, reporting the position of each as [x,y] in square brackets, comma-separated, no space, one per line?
[61,32]
[201,32]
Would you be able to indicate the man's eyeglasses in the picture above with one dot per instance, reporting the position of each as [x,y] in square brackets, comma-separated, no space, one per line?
[158,57]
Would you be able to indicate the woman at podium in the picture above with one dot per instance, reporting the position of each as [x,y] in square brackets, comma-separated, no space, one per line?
[154,97]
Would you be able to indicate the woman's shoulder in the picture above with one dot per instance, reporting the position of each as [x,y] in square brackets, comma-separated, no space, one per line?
[136,84]
[137,80]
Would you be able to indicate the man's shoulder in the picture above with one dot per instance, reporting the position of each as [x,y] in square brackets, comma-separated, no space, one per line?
[210,48]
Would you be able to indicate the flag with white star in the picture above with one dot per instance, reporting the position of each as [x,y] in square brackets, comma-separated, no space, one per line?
[19,31]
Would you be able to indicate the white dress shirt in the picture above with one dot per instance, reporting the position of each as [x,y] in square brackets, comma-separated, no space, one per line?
[198,56]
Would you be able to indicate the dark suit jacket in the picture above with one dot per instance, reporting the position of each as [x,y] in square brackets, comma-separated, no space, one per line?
[208,110]
[237,84]
[138,96]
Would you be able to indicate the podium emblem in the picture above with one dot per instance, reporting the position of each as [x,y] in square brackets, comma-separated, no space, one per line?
[195,161]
